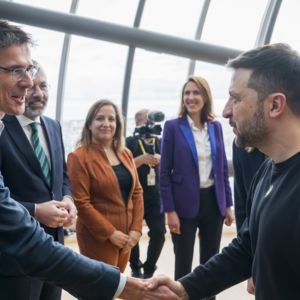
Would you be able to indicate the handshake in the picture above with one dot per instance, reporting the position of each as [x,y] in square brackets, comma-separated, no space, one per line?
[160,287]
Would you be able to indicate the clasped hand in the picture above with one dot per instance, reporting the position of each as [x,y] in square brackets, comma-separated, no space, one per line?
[161,287]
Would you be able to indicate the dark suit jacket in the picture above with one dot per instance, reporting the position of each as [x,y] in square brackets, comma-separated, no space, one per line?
[39,256]
[179,176]
[22,171]
[245,166]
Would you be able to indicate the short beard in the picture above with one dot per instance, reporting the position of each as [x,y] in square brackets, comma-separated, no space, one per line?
[253,131]
[29,113]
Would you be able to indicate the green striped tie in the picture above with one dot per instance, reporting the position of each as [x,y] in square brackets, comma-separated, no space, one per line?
[39,152]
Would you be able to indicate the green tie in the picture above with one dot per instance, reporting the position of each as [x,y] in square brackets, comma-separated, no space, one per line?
[39,152]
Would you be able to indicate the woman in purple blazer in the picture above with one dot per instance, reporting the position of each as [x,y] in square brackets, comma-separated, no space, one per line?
[194,184]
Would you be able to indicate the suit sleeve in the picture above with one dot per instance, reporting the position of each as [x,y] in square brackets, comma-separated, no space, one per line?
[41,257]
[225,169]
[66,190]
[166,168]
[240,194]
[222,271]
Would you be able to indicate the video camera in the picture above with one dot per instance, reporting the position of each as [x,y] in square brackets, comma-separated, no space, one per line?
[150,129]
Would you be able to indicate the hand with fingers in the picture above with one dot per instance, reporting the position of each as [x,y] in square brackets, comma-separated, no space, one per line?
[51,213]
[119,239]
[173,222]
[165,288]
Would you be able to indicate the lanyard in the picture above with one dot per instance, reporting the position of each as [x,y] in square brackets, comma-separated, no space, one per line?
[143,148]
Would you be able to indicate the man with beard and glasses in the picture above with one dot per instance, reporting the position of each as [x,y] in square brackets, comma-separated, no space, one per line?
[264,110]
[21,237]
[47,196]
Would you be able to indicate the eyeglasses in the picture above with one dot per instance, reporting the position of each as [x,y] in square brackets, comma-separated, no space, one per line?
[18,73]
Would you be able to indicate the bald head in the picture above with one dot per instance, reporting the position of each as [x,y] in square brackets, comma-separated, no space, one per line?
[141,117]
[37,96]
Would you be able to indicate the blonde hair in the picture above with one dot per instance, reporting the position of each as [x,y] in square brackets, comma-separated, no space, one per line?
[86,134]
[206,113]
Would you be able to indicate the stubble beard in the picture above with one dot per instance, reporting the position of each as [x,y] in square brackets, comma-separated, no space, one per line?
[253,132]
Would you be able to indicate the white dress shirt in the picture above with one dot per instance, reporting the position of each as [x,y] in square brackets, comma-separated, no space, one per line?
[203,148]
[25,124]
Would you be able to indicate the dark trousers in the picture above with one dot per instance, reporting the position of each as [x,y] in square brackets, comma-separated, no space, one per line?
[210,224]
[156,233]
[27,288]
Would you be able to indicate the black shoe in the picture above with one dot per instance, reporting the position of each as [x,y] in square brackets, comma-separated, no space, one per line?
[148,272]
[137,273]
[147,275]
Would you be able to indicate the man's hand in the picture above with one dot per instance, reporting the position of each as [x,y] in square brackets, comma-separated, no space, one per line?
[134,289]
[137,289]
[163,281]
[147,159]
[119,239]
[72,211]
[229,218]
[250,286]
[52,213]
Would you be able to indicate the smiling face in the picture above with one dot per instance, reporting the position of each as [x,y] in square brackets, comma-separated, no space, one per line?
[245,111]
[103,126]
[37,96]
[193,99]
[12,91]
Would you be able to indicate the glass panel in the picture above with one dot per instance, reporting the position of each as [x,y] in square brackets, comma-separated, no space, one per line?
[95,71]
[156,84]
[53,4]
[218,78]
[286,28]
[114,11]
[233,23]
[178,18]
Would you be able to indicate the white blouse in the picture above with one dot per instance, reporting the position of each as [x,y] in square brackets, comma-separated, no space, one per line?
[203,148]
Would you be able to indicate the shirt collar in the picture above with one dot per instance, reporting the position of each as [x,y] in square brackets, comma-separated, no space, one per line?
[1,127]
[192,124]
[24,121]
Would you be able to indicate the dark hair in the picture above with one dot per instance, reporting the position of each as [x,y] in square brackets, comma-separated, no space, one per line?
[86,135]
[276,68]
[12,35]
[206,112]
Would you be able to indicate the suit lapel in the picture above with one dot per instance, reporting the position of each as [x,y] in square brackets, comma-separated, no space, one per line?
[17,135]
[187,132]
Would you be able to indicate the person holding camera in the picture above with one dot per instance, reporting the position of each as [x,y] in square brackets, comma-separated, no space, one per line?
[144,145]
[194,183]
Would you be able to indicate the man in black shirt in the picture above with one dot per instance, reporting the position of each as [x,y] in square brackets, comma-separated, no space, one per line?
[145,149]
[264,111]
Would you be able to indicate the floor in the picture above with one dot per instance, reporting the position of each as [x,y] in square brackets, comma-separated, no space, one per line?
[165,263]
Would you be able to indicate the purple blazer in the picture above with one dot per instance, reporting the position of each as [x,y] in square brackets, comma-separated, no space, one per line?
[179,176]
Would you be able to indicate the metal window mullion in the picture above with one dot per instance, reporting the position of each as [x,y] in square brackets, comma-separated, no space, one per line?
[198,34]
[268,22]
[63,67]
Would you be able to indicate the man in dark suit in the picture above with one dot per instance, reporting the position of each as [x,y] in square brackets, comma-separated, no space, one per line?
[49,202]
[21,237]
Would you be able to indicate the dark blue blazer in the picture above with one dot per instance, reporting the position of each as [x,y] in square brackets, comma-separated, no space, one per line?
[39,256]
[179,175]
[22,171]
